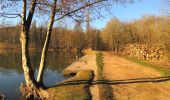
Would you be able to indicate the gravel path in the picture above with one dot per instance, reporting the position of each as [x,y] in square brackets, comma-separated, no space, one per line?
[134,82]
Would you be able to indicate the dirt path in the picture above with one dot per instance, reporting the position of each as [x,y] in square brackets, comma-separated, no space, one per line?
[135,81]
[87,62]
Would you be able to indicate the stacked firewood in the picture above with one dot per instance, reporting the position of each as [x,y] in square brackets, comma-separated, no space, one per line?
[143,51]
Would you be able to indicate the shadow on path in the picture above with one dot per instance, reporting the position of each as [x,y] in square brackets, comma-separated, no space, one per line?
[115,82]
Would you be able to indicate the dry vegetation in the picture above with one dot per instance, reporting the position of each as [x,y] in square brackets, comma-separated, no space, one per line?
[147,38]
[149,30]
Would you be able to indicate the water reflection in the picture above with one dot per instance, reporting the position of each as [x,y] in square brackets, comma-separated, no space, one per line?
[11,74]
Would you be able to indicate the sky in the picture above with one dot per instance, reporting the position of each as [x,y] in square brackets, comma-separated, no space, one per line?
[130,12]
[126,12]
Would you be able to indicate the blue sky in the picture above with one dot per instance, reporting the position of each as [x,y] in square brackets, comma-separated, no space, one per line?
[126,12]
[130,12]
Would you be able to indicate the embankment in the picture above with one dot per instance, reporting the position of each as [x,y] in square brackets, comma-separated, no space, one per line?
[79,86]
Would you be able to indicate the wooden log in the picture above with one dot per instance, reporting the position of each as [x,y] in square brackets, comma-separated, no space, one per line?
[143,51]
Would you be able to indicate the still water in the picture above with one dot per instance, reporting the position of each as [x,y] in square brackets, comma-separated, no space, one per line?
[11,74]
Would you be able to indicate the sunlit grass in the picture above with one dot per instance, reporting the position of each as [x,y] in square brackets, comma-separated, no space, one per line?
[162,69]
[75,88]
[105,90]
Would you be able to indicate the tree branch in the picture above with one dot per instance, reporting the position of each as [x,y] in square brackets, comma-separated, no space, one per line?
[10,15]
[98,12]
[44,3]
[23,12]
[31,13]
[73,11]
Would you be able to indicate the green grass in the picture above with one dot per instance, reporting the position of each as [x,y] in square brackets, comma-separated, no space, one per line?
[75,88]
[105,90]
[100,64]
[162,69]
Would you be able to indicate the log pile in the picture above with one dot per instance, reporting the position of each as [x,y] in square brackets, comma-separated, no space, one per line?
[143,51]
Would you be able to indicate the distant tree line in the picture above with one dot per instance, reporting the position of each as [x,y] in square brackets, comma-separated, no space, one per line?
[150,30]
[62,38]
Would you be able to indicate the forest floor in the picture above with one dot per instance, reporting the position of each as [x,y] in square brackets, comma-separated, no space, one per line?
[131,81]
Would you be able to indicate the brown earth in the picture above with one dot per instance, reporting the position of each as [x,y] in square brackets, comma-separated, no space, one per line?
[87,62]
[131,81]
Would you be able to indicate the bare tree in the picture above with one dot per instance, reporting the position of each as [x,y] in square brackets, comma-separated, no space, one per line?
[47,40]
[73,9]
[24,38]
[57,10]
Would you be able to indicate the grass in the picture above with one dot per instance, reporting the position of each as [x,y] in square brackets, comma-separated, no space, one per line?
[100,64]
[162,69]
[75,88]
[105,90]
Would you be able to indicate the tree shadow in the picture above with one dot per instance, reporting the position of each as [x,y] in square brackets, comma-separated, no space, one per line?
[114,82]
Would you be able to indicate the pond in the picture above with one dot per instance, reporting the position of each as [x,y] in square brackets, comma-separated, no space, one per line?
[11,73]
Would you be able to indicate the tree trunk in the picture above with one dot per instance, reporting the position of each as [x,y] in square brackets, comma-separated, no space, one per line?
[24,39]
[32,87]
[46,44]
[28,72]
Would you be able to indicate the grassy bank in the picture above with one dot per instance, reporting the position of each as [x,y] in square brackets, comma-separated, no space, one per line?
[75,88]
[105,90]
[162,69]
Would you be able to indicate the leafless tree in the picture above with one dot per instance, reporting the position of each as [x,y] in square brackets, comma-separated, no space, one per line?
[56,10]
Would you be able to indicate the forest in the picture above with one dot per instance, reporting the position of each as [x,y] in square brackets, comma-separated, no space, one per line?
[150,30]
[41,41]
